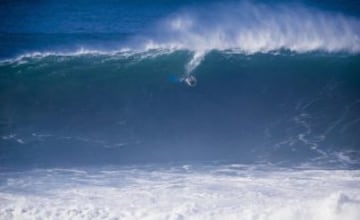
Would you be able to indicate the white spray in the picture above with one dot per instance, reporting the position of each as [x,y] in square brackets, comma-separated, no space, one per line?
[252,28]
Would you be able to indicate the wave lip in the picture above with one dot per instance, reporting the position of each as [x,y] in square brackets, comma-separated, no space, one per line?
[241,28]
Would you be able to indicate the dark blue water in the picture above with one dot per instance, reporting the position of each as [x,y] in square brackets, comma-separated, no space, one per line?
[100,82]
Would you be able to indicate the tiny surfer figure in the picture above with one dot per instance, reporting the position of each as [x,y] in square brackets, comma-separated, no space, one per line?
[190,80]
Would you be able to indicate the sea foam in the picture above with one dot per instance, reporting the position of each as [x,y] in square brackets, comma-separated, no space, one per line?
[187,192]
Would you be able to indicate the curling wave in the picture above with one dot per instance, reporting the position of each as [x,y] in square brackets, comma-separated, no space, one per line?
[252,28]
[244,27]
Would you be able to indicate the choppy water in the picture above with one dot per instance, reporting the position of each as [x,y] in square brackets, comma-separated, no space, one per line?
[181,192]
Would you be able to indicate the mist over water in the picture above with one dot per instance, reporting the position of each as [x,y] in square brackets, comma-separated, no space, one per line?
[257,27]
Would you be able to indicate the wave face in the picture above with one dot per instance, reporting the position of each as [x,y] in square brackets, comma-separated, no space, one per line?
[132,108]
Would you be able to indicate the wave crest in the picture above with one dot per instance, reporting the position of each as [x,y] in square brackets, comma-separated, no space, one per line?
[250,28]
[243,27]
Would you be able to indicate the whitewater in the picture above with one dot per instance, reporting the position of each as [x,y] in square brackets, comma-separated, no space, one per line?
[182,192]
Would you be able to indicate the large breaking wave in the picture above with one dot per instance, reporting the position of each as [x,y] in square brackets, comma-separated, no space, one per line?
[245,27]
[97,128]
[277,83]
[128,109]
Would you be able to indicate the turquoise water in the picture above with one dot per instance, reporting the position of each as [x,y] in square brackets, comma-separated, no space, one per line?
[118,109]
[99,83]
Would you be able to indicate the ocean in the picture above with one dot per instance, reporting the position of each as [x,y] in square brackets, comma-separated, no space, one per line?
[180,110]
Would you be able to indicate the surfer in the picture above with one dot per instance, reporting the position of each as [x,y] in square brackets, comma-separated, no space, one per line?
[190,80]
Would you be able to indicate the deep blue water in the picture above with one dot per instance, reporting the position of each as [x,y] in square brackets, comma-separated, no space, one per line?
[99,82]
